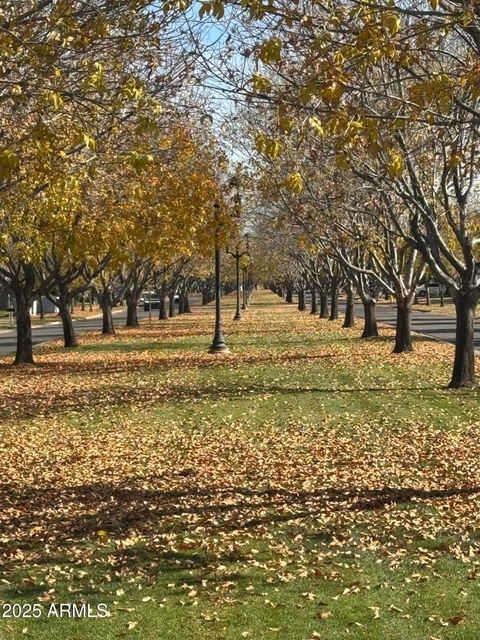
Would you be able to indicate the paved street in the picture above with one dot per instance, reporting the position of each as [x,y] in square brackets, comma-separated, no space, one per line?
[432,324]
[53,331]
[429,323]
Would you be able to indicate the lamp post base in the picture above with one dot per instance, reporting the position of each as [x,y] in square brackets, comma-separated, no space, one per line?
[219,345]
[237,316]
[219,348]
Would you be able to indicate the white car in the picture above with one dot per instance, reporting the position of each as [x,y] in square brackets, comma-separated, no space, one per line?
[434,288]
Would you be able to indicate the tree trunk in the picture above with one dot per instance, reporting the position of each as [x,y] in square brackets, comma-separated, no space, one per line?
[132,317]
[205,298]
[464,363]
[42,310]
[403,329]
[181,304]
[289,297]
[323,305]
[171,305]
[186,304]
[24,353]
[349,320]
[370,329]
[334,304]
[107,325]
[69,337]
[162,311]
[301,300]
[313,293]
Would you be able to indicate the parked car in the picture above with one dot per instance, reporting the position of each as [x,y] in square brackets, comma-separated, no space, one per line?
[154,301]
[435,289]
[145,298]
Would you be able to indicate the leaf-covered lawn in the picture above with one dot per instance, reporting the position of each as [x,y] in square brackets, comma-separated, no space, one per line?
[309,485]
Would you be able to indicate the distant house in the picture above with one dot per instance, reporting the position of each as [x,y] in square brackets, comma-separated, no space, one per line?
[7,300]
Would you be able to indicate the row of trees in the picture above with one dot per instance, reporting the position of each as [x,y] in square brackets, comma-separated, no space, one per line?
[108,167]
[364,118]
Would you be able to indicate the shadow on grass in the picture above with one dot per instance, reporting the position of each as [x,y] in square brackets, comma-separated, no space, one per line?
[33,403]
[58,518]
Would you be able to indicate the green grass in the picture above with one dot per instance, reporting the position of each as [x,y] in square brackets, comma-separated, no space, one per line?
[189,557]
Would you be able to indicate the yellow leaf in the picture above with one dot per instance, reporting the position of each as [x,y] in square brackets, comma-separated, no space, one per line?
[273,148]
[261,84]
[294,182]
[285,123]
[316,125]
[9,163]
[89,141]
[391,22]
[455,159]
[270,51]
[332,93]
[395,166]
[260,142]
[57,100]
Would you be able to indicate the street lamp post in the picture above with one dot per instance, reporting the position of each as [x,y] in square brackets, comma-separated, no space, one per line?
[244,288]
[238,313]
[218,345]
[238,255]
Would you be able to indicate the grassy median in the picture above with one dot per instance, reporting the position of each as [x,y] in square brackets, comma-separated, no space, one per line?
[308,485]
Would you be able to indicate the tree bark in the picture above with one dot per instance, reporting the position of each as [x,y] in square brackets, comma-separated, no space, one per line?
[162,311]
[171,305]
[69,337]
[349,320]
[132,317]
[186,304]
[334,304]
[370,329]
[313,293]
[289,296]
[181,304]
[323,305]
[205,298]
[464,363]
[107,324]
[24,353]
[403,329]
[301,300]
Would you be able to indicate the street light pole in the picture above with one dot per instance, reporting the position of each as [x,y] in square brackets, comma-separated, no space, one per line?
[238,314]
[218,345]
[237,255]
[244,284]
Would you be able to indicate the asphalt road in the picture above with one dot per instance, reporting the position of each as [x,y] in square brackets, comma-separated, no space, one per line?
[53,331]
[431,324]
